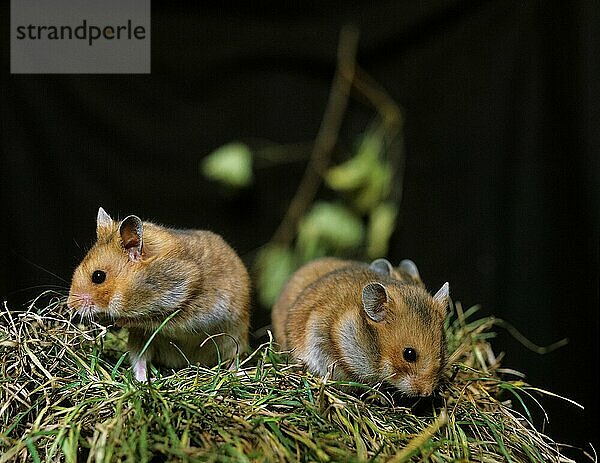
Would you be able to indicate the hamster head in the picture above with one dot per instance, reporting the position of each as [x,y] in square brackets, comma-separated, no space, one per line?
[107,272]
[408,325]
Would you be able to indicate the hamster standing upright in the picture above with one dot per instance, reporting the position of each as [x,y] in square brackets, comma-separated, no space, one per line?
[369,323]
[138,274]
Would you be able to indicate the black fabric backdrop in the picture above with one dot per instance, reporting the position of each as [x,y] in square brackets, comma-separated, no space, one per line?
[500,195]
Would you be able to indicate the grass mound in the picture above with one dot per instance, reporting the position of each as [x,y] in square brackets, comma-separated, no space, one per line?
[66,394]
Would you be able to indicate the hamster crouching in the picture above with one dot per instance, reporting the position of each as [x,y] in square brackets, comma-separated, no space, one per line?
[367,323]
[138,274]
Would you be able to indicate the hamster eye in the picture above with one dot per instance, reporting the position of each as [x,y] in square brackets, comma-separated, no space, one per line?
[410,355]
[98,277]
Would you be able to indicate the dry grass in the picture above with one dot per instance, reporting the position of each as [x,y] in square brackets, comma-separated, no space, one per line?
[66,394]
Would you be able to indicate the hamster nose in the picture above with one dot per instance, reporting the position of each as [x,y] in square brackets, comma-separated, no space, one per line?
[425,392]
[423,388]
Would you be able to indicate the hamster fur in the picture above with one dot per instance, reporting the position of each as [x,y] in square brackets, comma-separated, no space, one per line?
[137,274]
[369,323]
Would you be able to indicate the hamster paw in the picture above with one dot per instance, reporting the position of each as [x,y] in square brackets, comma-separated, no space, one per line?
[139,369]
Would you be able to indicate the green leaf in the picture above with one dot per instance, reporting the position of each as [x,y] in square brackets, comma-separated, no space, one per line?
[327,228]
[376,188]
[355,172]
[382,222]
[367,176]
[275,264]
[231,164]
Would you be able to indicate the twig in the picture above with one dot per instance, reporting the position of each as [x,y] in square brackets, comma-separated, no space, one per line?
[369,89]
[391,125]
[326,137]
[526,342]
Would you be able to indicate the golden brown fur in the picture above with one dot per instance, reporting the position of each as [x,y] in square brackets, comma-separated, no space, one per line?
[151,276]
[300,280]
[355,321]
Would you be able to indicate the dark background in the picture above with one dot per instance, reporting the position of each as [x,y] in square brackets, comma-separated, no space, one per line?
[500,196]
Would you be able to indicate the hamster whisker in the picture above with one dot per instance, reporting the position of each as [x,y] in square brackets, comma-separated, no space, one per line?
[87,313]
[387,378]
[39,267]
[47,288]
[111,313]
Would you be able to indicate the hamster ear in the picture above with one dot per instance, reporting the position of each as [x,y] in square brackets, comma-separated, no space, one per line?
[410,267]
[443,295]
[103,222]
[131,231]
[381,266]
[374,300]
